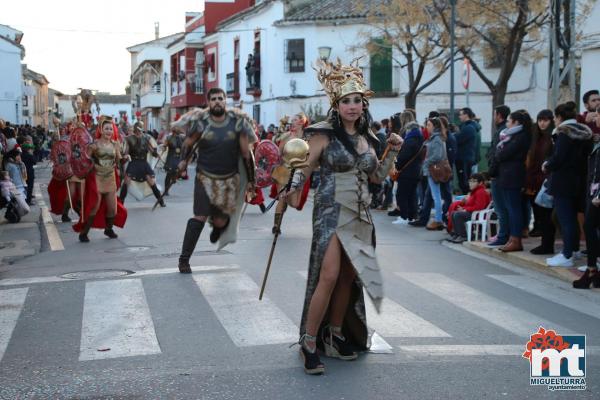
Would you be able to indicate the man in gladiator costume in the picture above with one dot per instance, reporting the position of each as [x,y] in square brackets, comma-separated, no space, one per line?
[225,170]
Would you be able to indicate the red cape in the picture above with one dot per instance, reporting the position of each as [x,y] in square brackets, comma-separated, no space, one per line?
[57,192]
[273,194]
[90,197]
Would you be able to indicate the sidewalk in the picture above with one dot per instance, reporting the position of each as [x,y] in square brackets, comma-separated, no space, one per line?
[22,239]
[527,260]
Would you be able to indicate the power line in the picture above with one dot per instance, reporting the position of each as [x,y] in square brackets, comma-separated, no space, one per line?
[86,31]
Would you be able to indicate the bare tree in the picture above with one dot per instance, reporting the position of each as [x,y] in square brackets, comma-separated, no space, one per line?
[414,29]
[496,34]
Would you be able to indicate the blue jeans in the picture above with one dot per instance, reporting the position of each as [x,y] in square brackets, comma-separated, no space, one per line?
[566,212]
[436,193]
[513,201]
[501,211]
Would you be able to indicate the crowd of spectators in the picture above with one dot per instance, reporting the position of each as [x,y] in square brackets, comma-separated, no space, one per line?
[543,176]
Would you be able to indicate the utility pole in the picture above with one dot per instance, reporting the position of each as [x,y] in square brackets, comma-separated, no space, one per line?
[452,51]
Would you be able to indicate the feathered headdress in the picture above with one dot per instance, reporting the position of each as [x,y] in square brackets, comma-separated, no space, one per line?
[339,80]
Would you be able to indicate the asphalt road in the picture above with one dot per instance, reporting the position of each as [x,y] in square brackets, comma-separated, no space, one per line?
[453,326]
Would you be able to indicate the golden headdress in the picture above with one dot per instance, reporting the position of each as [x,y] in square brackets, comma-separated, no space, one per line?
[339,80]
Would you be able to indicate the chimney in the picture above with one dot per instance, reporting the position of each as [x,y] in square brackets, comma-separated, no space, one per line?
[156,34]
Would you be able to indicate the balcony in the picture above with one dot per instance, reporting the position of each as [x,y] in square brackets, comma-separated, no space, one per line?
[152,98]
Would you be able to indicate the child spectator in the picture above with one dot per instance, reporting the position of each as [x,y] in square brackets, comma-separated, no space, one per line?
[460,211]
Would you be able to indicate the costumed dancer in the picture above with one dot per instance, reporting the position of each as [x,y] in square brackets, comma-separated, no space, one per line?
[101,206]
[299,123]
[258,199]
[138,146]
[59,186]
[225,170]
[342,256]
[173,145]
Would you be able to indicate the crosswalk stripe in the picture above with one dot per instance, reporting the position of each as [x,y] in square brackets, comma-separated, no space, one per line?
[515,350]
[233,297]
[555,294]
[116,321]
[11,304]
[504,315]
[396,321]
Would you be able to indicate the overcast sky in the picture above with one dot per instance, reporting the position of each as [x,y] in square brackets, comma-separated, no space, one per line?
[82,44]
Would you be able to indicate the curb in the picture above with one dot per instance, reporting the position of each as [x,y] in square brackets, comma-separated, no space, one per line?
[526,260]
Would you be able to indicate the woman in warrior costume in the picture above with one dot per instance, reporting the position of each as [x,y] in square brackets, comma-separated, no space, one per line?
[299,123]
[342,257]
[106,155]
[173,145]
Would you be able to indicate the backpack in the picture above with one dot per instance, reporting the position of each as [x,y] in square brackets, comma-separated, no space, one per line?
[12,213]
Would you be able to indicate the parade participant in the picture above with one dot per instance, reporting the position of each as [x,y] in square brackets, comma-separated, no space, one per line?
[299,123]
[173,145]
[138,146]
[224,170]
[59,186]
[101,207]
[342,257]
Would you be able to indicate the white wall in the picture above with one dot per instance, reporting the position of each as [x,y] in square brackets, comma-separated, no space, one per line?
[527,87]
[589,71]
[112,109]
[11,91]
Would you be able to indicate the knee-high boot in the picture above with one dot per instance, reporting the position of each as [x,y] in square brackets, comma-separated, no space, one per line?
[65,213]
[158,195]
[169,179]
[123,193]
[108,231]
[83,237]
[192,233]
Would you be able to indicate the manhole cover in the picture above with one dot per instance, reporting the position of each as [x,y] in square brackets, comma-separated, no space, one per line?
[129,249]
[97,274]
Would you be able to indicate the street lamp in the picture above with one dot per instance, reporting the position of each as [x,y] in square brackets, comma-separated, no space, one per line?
[324,53]
[452,50]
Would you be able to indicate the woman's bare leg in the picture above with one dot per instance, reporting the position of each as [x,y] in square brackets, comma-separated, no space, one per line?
[111,204]
[341,294]
[330,270]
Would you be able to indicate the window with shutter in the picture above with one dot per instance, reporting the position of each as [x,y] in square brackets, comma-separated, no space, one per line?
[294,55]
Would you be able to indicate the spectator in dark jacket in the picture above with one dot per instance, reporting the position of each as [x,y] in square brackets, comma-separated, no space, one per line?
[29,160]
[539,151]
[408,163]
[568,166]
[466,140]
[511,152]
[592,219]
[501,113]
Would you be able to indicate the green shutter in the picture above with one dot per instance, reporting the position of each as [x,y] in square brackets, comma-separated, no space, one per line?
[381,69]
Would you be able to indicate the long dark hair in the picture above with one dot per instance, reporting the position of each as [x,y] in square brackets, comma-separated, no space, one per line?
[523,118]
[363,125]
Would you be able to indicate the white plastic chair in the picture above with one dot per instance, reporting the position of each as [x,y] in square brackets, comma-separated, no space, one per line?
[482,222]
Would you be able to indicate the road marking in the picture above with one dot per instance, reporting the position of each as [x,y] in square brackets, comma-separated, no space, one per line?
[54,239]
[506,316]
[564,297]
[116,321]
[11,304]
[378,343]
[515,350]
[397,321]
[136,274]
[233,297]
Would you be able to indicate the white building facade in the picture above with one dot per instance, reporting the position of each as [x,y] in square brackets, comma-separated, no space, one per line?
[11,80]
[150,81]
[289,42]
[590,59]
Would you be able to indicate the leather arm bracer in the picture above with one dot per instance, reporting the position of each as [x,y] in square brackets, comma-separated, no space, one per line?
[386,165]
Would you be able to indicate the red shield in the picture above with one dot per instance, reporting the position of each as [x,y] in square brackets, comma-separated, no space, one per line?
[81,162]
[61,160]
[267,158]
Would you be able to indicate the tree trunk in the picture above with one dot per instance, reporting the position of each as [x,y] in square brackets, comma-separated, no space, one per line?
[410,100]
